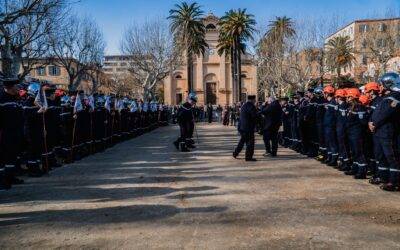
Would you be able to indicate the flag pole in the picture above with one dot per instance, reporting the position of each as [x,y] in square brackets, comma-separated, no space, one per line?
[45,143]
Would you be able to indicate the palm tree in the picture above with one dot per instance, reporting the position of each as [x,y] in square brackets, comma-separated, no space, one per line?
[339,53]
[189,33]
[236,27]
[281,28]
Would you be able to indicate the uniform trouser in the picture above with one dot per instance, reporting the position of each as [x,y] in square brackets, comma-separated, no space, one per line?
[356,143]
[185,133]
[270,137]
[342,144]
[295,134]
[330,140]
[304,136]
[286,132]
[321,137]
[388,148]
[248,139]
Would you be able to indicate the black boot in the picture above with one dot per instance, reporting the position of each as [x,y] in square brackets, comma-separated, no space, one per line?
[176,144]
[4,183]
[34,169]
[353,171]
[345,166]
[183,147]
[333,162]
[361,173]
[10,175]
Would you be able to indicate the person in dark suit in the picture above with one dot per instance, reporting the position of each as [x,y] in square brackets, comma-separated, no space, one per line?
[210,113]
[272,113]
[247,124]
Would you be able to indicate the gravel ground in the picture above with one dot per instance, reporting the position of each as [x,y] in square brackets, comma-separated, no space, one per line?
[143,194]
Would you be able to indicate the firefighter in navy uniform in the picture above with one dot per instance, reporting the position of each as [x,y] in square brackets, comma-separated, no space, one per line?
[373,91]
[356,120]
[341,136]
[186,122]
[310,119]
[11,133]
[319,120]
[99,123]
[53,124]
[302,124]
[33,130]
[286,122]
[384,125]
[66,127]
[294,124]
[330,126]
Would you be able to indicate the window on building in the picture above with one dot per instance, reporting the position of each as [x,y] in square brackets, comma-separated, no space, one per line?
[178,76]
[211,26]
[120,69]
[364,28]
[381,43]
[41,71]
[123,64]
[54,70]
[382,27]
[364,60]
[364,44]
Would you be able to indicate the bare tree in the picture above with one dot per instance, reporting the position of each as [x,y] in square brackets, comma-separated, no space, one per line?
[24,28]
[78,47]
[153,54]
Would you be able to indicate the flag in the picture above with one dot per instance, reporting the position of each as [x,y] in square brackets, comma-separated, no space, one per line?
[41,100]
[91,102]
[134,107]
[107,104]
[78,104]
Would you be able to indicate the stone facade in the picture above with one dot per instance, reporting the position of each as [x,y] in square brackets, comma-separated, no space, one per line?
[212,79]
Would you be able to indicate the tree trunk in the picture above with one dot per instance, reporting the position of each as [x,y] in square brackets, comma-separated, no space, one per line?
[190,72]
[232,74]
[235,81]
[239,69]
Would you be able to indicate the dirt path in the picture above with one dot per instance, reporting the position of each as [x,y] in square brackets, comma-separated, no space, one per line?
[143,194]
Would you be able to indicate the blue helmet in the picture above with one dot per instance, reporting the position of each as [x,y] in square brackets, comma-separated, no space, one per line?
[33,89]
[192,96]
[100,100]
[319,90]
[65,101]
[390,81]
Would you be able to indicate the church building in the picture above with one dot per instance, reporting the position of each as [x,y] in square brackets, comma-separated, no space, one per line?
[212,81]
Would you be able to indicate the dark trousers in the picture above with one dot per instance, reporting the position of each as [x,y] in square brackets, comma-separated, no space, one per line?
[248,139]
[388,149]
[270,137]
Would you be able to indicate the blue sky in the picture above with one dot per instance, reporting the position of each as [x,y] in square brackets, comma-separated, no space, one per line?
[113,16]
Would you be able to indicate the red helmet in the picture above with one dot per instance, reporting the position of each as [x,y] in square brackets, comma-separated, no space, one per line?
[353,92]
[59,92]
[364,99]
[329,90]
[340,93]
[22,92]
[371,86]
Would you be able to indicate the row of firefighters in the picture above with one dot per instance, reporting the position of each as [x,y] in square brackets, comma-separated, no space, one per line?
[356,130]
[41,127]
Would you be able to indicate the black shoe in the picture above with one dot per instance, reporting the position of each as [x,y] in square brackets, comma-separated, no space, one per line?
[235,155]
[350,172]
[390,187]
[16,181]
[251,159]
[375,181]
[191,146]
[360,176]
[176,144]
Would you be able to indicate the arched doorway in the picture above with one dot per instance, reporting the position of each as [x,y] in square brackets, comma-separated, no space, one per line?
[211,88]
